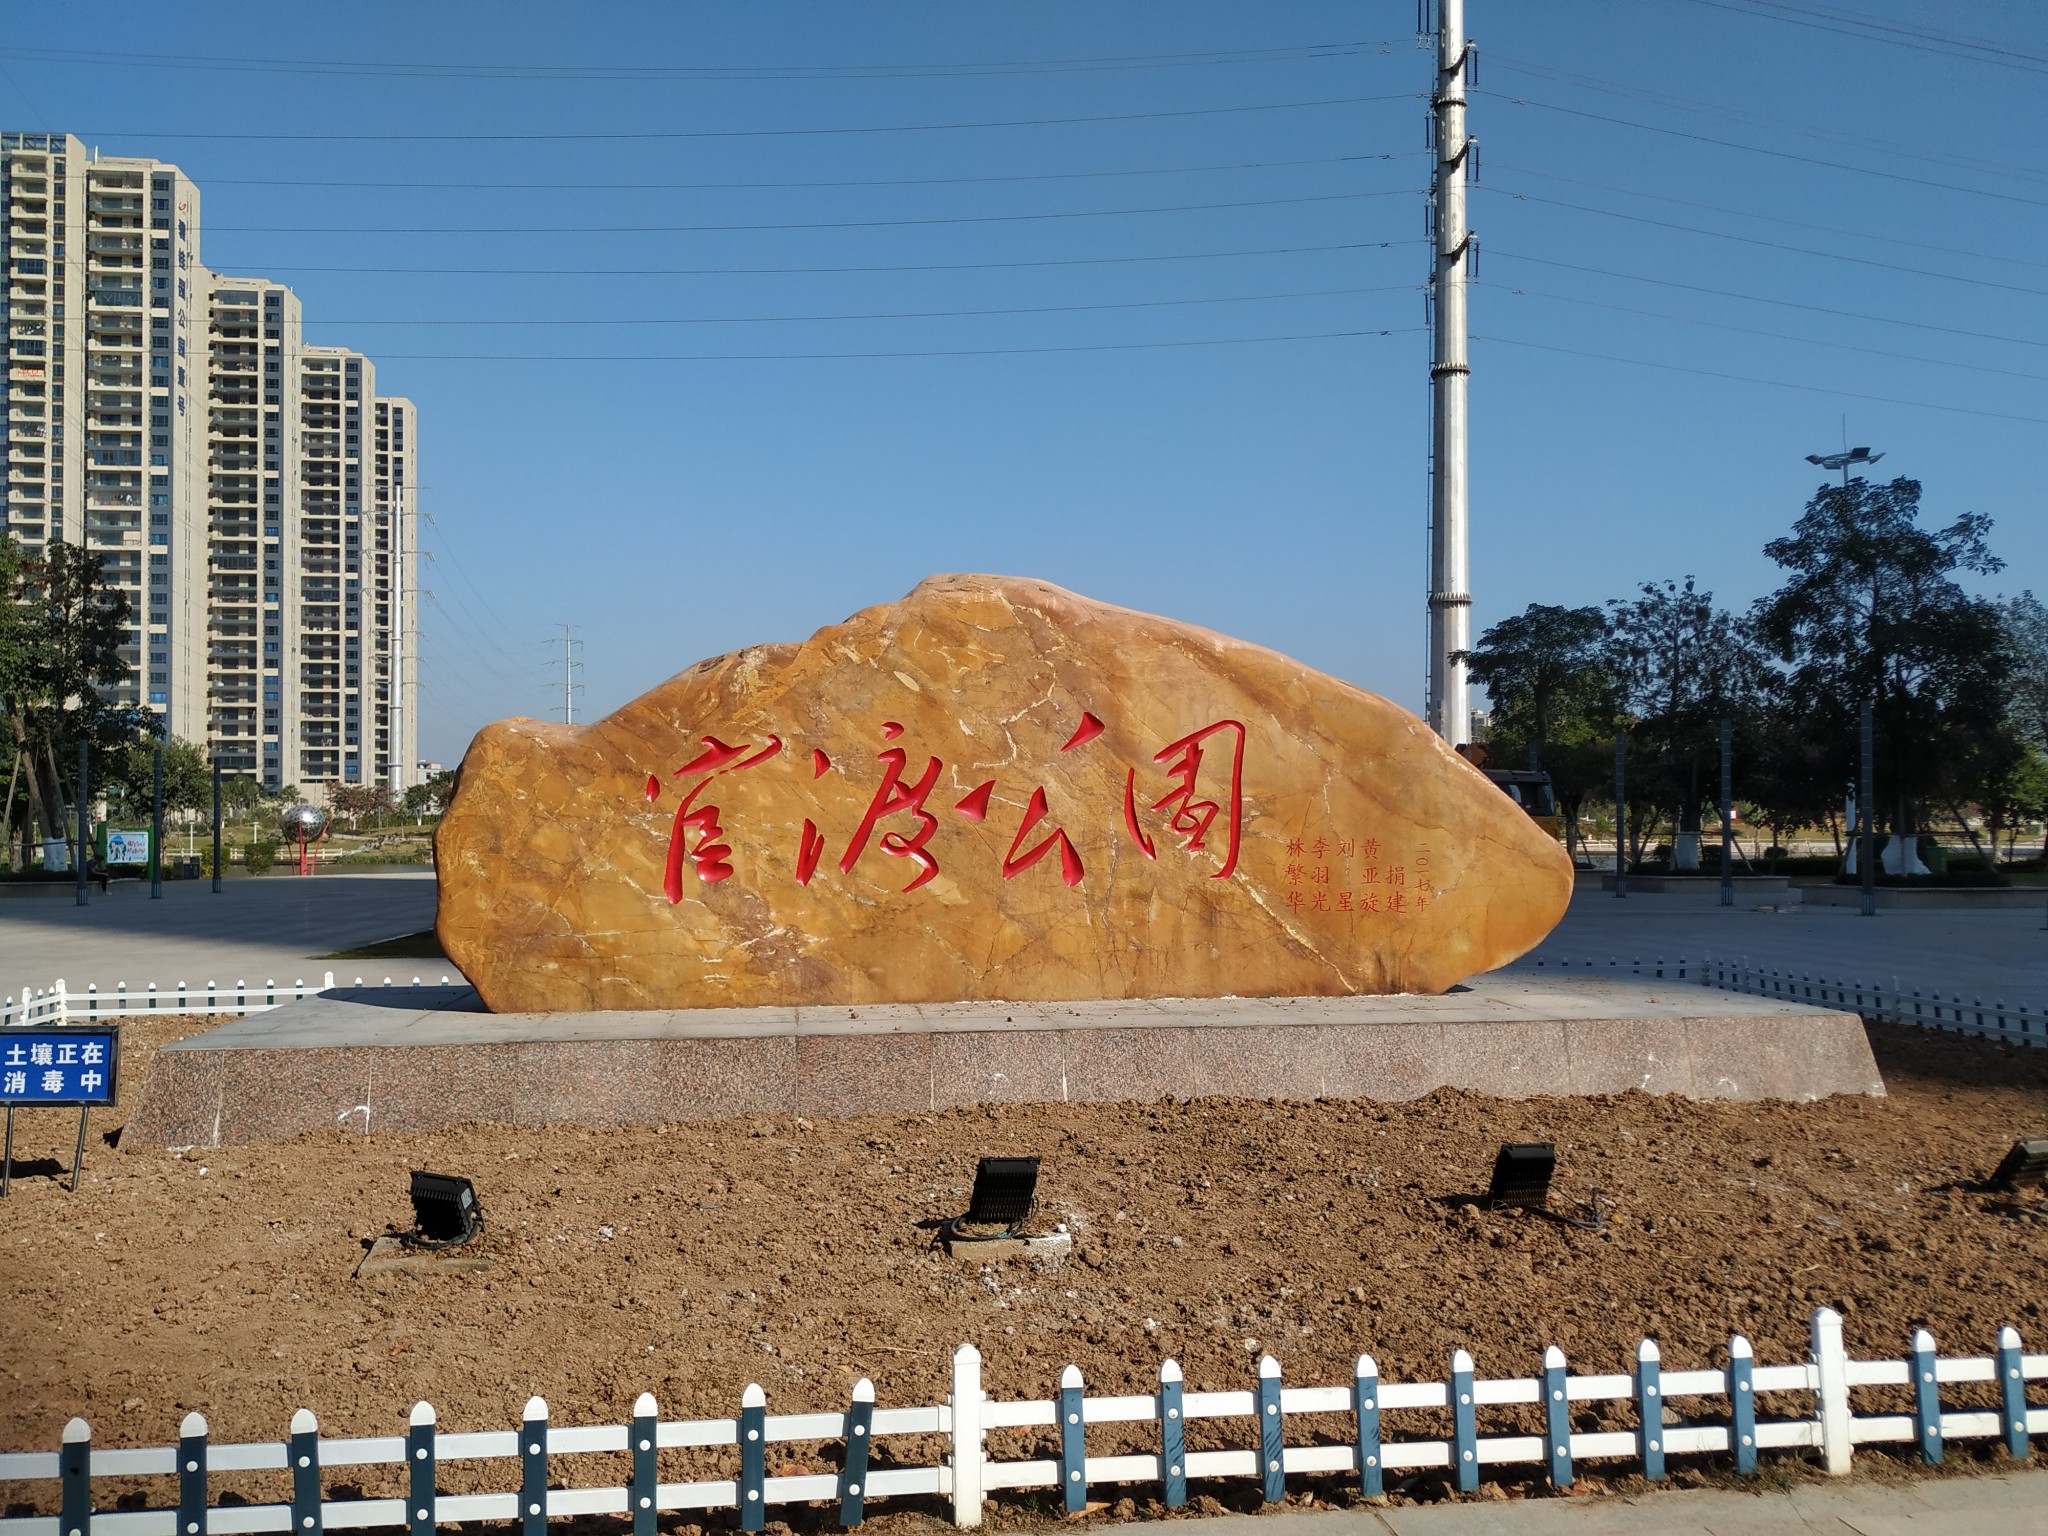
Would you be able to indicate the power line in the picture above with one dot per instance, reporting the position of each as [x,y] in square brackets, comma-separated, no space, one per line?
[907,314]
[768,186]
[1745,378]
[1759,298]
[1754,149]
[462,573]
[581,230]
[1775,245]
[1843,24]
[1770,218]
[1777,124]
[1749,330]
[805,357]
[666,74]
[938,266]
[754,133]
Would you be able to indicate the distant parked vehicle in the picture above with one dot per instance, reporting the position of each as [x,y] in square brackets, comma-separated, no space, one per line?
[1530,788]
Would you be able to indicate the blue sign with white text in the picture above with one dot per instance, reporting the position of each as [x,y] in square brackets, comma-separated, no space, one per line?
[58,1065]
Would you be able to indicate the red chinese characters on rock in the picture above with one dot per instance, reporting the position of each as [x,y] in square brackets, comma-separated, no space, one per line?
[1193,816]
[1189,808]
[1367,886]
[892,797]
[709,855]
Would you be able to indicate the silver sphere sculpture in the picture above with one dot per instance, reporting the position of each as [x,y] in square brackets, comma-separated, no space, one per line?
[305,821]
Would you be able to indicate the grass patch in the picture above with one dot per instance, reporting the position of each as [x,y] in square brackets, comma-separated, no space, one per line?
[407,946]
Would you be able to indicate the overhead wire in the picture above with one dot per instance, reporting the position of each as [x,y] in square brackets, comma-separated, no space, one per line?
[791,357]
[1769,218]
[461,571]
[1758,149]
[1849,24]
[1776,245]
[1750,330]
[668,135]
[1759,298]
[584,230]
[467,625]
[930,266]
[898,314]
[738,73]
[1746,378]
[813,185]
[1631,90]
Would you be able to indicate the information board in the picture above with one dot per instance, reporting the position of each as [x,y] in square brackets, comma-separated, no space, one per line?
[59,1065]
[127,847]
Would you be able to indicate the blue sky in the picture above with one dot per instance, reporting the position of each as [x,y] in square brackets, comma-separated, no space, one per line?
[1207,397]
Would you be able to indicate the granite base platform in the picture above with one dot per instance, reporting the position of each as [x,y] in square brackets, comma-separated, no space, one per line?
[380,1061]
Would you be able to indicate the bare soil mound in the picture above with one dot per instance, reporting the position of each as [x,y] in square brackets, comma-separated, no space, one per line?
[689,1260]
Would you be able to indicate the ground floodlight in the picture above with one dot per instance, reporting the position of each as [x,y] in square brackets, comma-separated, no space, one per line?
[444,1210]
[1521,1174]
[1003,1191]
[2026,1163]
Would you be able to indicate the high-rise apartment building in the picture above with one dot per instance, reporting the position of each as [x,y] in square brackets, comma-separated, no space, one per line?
[251,494]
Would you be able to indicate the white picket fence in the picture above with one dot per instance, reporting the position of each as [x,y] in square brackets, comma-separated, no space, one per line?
[56,1004]
[1997,1020]
[1711,1411]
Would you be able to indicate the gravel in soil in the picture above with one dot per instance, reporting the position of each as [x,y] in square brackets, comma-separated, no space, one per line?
[691,1259]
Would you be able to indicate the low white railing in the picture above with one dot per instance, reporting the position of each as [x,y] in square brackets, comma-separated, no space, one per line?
[56,1004]
[1998,1020]
[1710,1411]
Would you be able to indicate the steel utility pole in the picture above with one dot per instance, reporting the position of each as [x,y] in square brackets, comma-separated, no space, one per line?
[570,667]
[1450,598]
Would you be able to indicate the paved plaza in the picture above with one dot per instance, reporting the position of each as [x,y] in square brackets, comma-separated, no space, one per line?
[2013,1504]
[279,926]
[257,929]
[1979,955]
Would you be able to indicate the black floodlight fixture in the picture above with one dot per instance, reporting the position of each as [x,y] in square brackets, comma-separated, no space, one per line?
[1521,1174]
[445,1213]
[2026,1163]
[1004,1188]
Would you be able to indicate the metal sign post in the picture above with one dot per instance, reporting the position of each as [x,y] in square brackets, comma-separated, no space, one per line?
[216,826]
[1865,807]
[156,825]
[84,822]
[1727,815]
[1620,813]
[63,1066]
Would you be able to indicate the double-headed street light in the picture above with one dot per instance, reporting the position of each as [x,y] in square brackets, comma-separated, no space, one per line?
[1843,460]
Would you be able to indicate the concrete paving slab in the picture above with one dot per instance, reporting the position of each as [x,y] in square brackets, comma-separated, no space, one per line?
[270,928]
[2014,1504]
[1973,954]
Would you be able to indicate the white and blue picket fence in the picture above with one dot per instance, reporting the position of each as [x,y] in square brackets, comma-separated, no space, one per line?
[57,1004]
[2015,1023]
[1353,1431]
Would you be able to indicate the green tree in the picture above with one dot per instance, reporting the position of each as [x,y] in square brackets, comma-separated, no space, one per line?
[2026,641]
[1871,609]
[1544,669]
[1995,777]
[1682,666]
[1792,774]
[1552,692]
[60,648]
[356,801]
[188,776]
